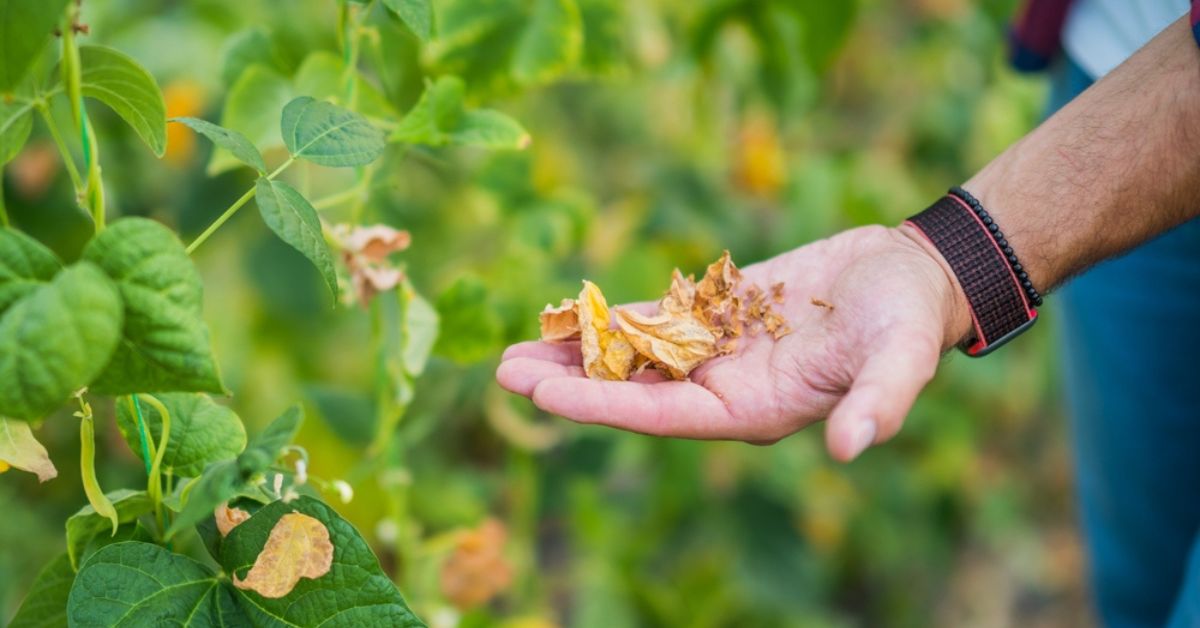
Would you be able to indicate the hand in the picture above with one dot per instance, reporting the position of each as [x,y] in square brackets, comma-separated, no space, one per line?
[896,307]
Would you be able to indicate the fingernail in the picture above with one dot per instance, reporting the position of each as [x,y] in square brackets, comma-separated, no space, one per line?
[861,437]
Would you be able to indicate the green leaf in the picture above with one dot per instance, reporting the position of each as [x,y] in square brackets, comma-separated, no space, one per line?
[237,144]
[24,265]
[164,345]
[25,28]
[141,584]
[420,330]
[247,48]
[202,431]
[322,76]
[45,604]
[326,134]
[251,108]
[551,44]
[16,121]
[115,79]
[355,591]
[272,440]
[440,117]
[417,15]
[228,478]
[86,525]
[22,451]
[470,327]
[295,221]
[56,340]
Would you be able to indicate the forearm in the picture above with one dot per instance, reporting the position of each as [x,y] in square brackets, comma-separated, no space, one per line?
[1117,166]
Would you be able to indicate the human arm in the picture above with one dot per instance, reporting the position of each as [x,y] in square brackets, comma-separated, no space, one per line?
[1111,170]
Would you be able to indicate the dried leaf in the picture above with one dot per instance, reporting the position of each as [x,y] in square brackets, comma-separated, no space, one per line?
[298,547]
[369,281]
[681,297]
[477,570]
[715,294]
[560,323]
[228,518]
[19,449]
[607,354]
[375,242]
[677,344]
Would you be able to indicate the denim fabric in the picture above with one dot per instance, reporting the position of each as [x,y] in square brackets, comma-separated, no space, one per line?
[1132,370]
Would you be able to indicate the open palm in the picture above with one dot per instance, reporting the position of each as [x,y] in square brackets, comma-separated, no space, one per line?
[861,362]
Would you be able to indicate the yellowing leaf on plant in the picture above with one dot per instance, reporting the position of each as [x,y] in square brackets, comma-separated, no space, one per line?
[675,343]
[298,547]
[477,570]
[560,323]
[19,449]
[228,518]
[607,354]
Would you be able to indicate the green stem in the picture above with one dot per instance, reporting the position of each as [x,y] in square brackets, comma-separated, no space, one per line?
[72,78]
[3,210]
[143,433]
[333,200]
[68,159]
[154,486]
[233,209]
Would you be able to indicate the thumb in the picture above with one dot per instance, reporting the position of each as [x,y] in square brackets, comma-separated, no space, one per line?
[881,395]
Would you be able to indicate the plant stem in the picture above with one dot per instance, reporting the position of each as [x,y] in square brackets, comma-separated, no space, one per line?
[233,209]
[72,79]
[143,432]
[3,210]
[154,486]
[68,159]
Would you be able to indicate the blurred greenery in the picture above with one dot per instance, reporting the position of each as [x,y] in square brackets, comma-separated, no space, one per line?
[663,131]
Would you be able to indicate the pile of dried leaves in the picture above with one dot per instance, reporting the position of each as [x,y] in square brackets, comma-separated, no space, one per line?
[694,322]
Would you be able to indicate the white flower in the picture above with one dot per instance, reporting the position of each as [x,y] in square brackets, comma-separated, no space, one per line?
[345,490]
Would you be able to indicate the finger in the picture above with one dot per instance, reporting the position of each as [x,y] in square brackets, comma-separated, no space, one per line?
[681,409]
[521,375]
[882,394]
[561,352]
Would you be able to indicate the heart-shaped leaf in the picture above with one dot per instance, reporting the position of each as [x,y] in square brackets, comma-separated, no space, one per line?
[237,144]
[202,431]
[56,340]
[115,79]
[45,606]
[417,15]
[141,584]
[225,479]
[329,135]
[165,344]
[440,117]
[24,266]
[16,120]
[24,30]
[295,221]
[86,524]
[353,592]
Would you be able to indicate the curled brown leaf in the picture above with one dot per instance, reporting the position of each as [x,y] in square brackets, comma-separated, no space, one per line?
[298,547]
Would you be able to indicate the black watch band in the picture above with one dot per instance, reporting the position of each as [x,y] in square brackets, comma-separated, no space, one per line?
[1001,296]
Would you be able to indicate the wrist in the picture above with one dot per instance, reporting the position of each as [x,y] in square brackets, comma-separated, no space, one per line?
[956,310]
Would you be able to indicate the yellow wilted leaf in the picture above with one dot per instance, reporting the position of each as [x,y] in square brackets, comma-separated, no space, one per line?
[228,518]
[560,323]
[19,449]
[716,304]
[298,547]
[675,343]
[607,354]
[681,297]
[477,570]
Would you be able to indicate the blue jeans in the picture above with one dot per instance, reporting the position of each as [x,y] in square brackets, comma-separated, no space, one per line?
[1128,334]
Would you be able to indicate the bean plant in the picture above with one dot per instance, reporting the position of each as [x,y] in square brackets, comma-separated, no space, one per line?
[123,327]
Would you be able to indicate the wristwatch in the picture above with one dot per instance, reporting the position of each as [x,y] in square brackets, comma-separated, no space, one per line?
[1002,298]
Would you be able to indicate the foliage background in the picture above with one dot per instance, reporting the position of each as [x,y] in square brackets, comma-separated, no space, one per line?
[685,127]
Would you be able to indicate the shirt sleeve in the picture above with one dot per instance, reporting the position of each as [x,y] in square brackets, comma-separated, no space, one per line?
[1196,19]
